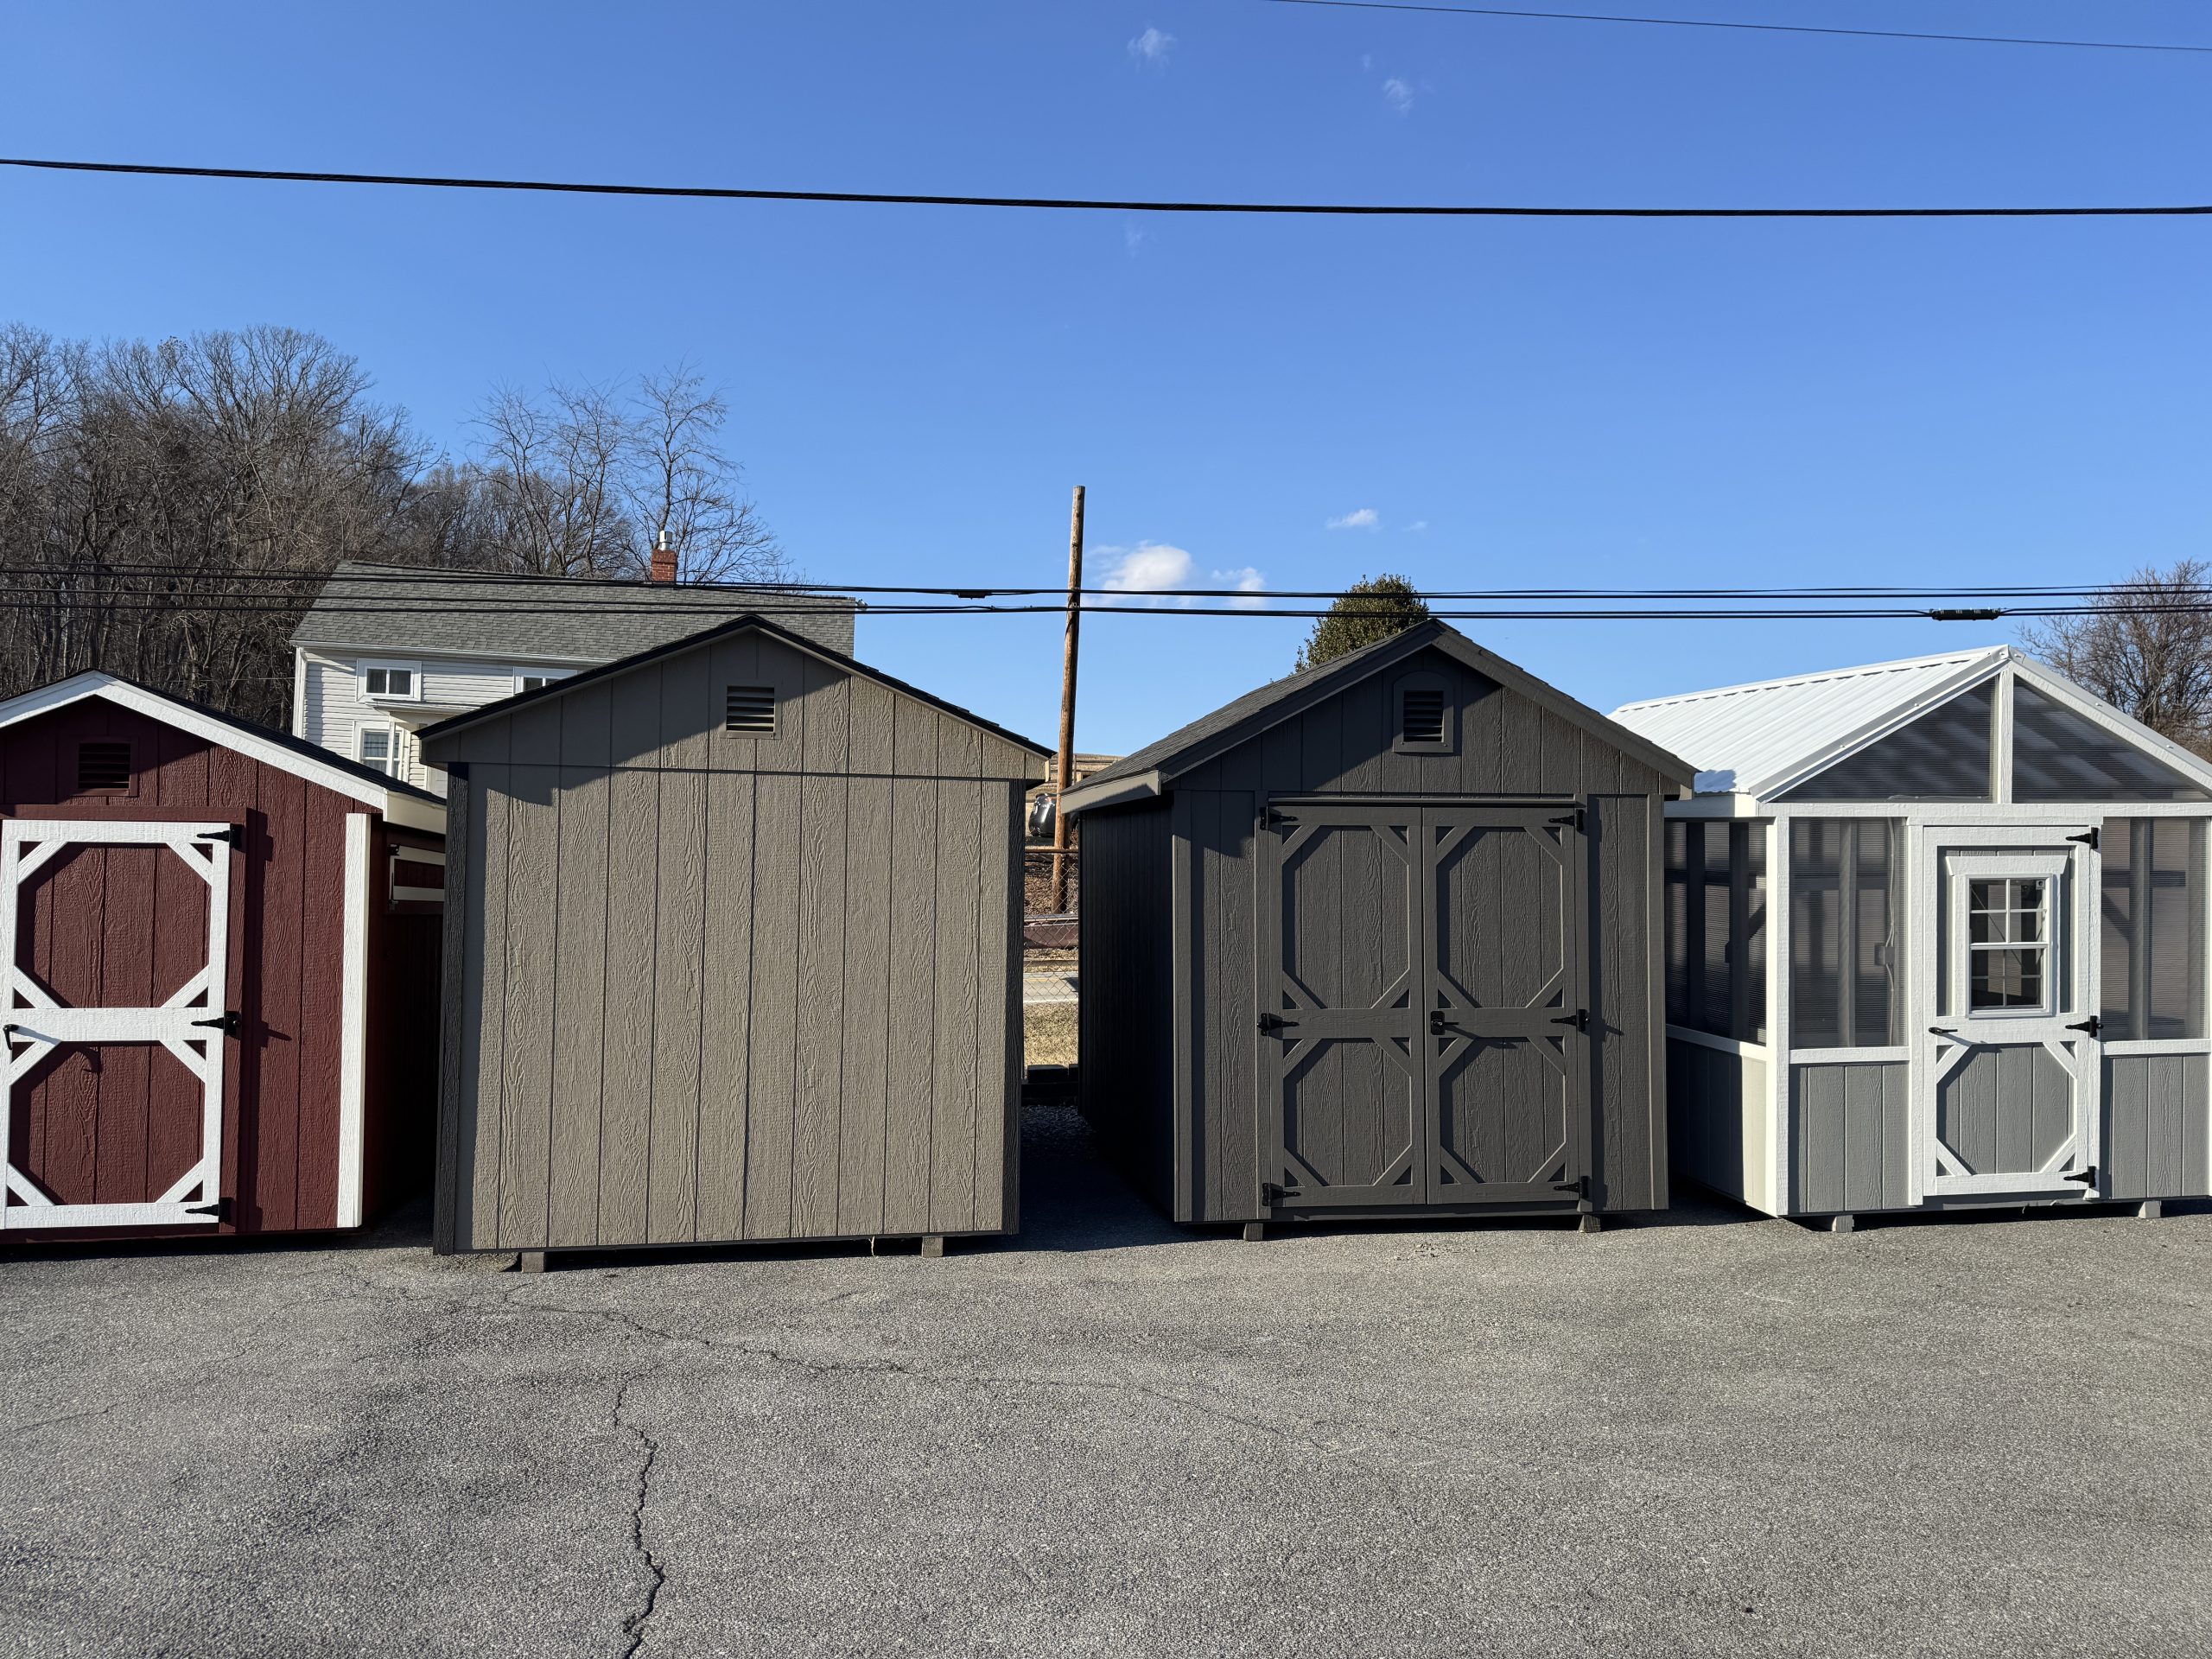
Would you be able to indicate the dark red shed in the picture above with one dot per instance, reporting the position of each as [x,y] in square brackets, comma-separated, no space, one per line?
[221,956]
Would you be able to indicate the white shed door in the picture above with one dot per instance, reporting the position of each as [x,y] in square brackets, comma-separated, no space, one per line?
[114,943]
[2009,1066]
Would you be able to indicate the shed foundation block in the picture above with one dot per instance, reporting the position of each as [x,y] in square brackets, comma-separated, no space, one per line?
[933,1244]
[1255,1232]
[2150,1209]
[1589,1224]
[530,1261]
[1842,1223]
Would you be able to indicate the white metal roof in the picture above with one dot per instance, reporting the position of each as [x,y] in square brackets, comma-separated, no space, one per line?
[1746,738]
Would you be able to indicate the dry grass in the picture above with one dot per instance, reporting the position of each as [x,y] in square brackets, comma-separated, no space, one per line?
[1048,1033]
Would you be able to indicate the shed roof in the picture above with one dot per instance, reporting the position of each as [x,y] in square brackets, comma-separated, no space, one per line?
[401,802]
[556,618]
[1757,740]
[563,688]
[1747,738]
[1152,767]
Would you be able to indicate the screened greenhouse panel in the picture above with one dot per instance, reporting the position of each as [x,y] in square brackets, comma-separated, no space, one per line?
[1716,927]
[2059,756]
[2151,936]
[1941,756]
[1845,933]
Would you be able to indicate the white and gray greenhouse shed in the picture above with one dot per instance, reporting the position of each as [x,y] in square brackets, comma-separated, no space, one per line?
[1936,937]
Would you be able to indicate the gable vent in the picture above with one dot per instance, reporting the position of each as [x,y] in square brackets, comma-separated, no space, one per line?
[750,710]
[103,766]
[1423,720]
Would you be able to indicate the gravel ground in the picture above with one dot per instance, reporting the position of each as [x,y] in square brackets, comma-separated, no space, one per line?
[1717,1435]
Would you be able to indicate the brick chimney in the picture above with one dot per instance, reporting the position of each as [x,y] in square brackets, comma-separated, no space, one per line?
[664,557]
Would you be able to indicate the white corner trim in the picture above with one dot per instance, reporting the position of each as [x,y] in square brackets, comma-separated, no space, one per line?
[299,693]
[353,1020]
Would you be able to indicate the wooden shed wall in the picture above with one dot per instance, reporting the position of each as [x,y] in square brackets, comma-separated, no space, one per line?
[1507,747]
[1127,1009]
[712,988]
[281,1084]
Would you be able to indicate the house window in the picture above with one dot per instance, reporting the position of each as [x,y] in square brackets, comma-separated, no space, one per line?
[1716,928]
[535,679]
[749,710]
[2008,937]
[1847,933]
[102,768]
[400,682]
[2152,928]
[378,749]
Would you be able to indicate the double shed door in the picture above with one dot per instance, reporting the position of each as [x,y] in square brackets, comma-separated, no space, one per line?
[1423,996]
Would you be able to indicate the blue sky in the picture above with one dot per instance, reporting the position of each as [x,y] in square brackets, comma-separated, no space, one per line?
[1514,403]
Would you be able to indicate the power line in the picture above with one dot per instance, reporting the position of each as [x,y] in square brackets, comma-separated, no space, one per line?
[1764,29]
[738,592]
[1090,204]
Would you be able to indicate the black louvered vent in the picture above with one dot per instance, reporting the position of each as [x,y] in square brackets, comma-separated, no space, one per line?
[103,766]
[750,710]
[1424,717]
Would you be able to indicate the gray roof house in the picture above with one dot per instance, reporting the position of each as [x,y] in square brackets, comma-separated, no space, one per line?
[386,650]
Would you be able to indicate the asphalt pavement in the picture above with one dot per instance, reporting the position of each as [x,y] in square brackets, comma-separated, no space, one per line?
[1713,1434]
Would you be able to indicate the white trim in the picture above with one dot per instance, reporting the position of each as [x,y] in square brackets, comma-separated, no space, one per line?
[391,746]
[154,706]
[178,1025]
[1725,1045]
[345,653]
[411,667]
[1892,1055]
[545,672]
[353,1020]
[2153,1046]
[299,694]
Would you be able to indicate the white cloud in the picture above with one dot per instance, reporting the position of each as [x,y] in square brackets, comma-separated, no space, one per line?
[1417,526]
[1150,567]
[1397,94]
[1361,519]
[1152,46]
[1366,61]
[1134,237]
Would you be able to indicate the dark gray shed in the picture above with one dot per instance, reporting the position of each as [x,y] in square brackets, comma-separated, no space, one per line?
[1383,936]
[732,953]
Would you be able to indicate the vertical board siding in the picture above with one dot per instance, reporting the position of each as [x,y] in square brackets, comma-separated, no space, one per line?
[458,1028]
[1850,1137]
[1125,1013]
[127,925]
[1717,1115]
[2155,1110]
[1342,744]
[803,962]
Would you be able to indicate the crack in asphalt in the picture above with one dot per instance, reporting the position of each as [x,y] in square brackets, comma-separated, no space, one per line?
[633,1626]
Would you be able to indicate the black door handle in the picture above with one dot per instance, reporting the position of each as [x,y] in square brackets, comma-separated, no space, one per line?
[1438,1024]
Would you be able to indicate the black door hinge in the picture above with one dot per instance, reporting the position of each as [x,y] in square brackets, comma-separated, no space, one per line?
[1272,1023]
[220,1209]
[2088,838]
[1573,817]
[233,833]
[2093,1025]
[1271,1193]
[2087,1177]
[226,1022]
[1580,1019]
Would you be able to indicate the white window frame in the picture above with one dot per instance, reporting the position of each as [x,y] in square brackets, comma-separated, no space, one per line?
[413,670]
[548,675]
[392,754]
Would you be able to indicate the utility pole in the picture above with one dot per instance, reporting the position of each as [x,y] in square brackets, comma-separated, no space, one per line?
[1061,778]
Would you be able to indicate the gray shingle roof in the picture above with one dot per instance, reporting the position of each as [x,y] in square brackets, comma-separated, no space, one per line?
[406,610]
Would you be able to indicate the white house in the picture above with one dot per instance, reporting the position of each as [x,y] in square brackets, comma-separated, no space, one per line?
[1936,938]
[386,650]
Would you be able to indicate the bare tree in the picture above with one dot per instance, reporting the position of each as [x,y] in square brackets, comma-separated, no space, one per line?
[682,483]
[2147,648]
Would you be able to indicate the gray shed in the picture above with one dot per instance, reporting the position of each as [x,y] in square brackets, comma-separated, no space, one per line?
[1381,937]
[732,953]
[1938,939]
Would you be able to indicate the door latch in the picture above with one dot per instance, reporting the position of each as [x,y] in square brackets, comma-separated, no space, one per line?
[2087,1177]
[2093,1025]
[1438,1024]
[226,1022]
[233,832]
[1580,1019]
[1271,1193]
[2088,838]
[1272,1023]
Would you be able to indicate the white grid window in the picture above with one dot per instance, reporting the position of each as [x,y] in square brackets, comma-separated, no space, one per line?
[377,748]
[401,681]
[2008,937]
